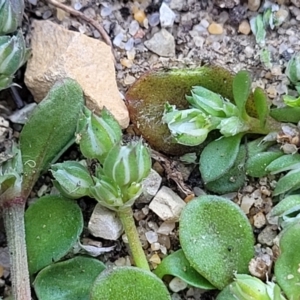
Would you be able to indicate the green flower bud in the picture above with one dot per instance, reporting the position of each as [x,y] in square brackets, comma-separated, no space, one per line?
[207,101]
[127,164]
[232,126]
[11,176]
[293,69]
[190,126]
[247,287]
[11,13]
[72,179]
[107,192]
[13,54]
[97,135]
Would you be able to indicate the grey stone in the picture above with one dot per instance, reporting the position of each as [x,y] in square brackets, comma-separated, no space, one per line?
[166,15]
[104,223]
[162,43]
[167,205]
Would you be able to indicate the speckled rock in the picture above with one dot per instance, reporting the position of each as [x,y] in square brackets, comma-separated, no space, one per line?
[162,43]
[58,53]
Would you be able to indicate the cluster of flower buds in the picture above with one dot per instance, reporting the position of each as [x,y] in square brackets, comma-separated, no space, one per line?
[13,52]
[117,180]
[209,111]
[10,175]
[11,13]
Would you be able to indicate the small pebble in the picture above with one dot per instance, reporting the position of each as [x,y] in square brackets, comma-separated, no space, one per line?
[244,27]
[106,11]
[176,285]
[215,29]
[129,79]
[166,228]
[155,259]
[155,246]
[259,220]
[139,16]
[254,5]
[153,19]
[166,15]
[151,237]
[133,27]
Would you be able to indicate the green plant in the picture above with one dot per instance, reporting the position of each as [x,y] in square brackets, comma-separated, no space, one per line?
[41,143]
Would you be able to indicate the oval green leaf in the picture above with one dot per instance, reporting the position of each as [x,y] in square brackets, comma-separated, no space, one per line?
[177,265]
[216,238]
[241,90]
[53,225]
[287,265]
[256,165]
[284,163]
[125,283]
[50,130]
[232,180]
[286,114]
[285,205]
[70,279]
[261,105]
[289,182]
[218,157]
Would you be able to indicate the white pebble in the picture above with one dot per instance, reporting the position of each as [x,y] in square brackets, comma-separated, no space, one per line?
[167,16]
[176,285]
[151,237]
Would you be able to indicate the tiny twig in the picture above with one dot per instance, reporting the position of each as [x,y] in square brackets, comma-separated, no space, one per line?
[79,14]
[172,172]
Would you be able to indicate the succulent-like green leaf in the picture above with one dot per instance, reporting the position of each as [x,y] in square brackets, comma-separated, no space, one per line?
[128,282]
[241,90]
[232,180]
[289,182]
[287,265]
[291,101]
[256,165]
[261,104]
[216,238]
[226,293]
[70,279]
[50,130]
[284,163]
[176,264]
[218,157]
[53,225]
[285,205]
[286,114]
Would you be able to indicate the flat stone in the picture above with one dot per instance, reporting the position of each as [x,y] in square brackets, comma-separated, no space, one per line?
[162,43]
[167,205]
[151,186]
[166,15]
[267,236]
[105,224]
[176,285]
[58,53]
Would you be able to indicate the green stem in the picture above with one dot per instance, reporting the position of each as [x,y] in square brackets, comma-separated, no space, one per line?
[271,125]
[126,217]
[13,216]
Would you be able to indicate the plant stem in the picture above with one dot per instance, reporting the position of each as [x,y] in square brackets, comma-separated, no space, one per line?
[13,215]
[126,217]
